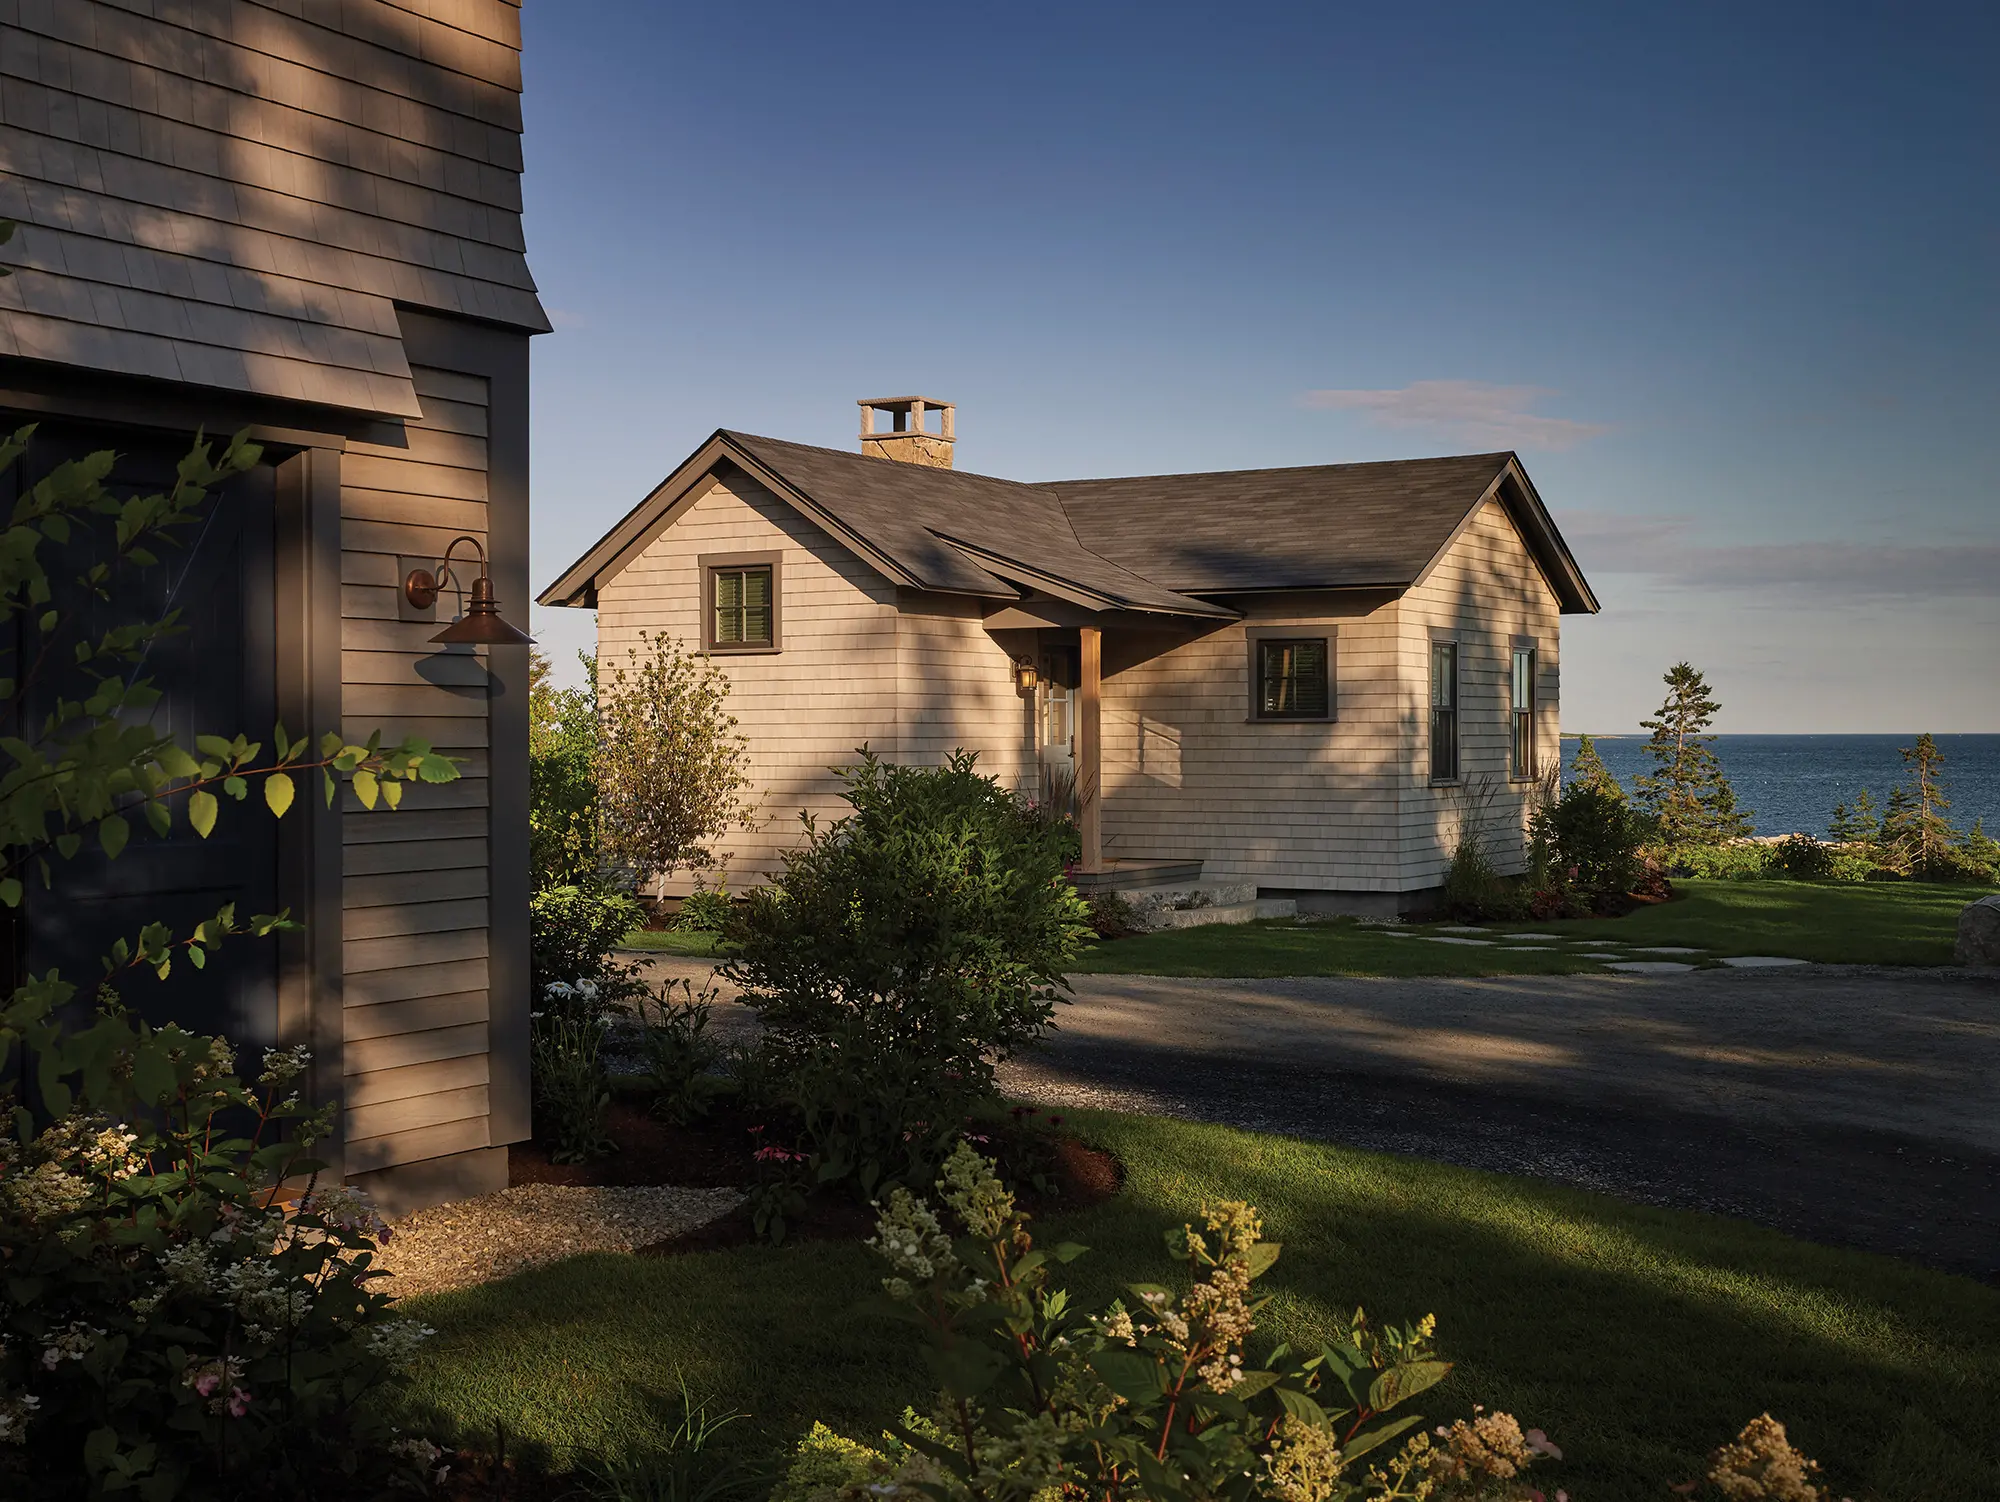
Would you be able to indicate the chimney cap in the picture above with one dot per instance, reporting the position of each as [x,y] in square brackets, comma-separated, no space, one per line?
[903,403]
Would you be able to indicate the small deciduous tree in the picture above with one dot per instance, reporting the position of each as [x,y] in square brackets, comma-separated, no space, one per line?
[672,771]
[1917,837]
[562,781]
[1686,794]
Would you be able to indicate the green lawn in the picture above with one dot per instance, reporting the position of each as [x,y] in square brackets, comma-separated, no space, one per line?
[1339,947]
[1638,1338]
[696,943]
[1844,923]
[1877,923]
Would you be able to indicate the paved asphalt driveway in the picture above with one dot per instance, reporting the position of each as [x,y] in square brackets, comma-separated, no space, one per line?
[1852,1105]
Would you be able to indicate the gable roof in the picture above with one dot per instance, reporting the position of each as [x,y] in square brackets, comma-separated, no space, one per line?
[1160,543]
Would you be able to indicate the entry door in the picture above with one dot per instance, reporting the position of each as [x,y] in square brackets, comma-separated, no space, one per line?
[218,678]
[1056,696]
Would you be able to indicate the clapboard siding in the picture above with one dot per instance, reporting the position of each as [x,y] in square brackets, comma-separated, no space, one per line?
[1484,592]
[801,709]
[239,194]
[416,895]
[955,691]
[1189,774]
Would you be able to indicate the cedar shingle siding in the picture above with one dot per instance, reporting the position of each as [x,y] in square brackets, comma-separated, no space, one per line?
[304,216]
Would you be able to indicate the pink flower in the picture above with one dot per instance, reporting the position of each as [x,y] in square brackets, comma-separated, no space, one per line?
[1539,1443]
[239,1402]
[207,1382]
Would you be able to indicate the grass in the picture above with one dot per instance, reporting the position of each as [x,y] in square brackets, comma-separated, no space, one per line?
[1339,947]
[1639,1338]
[1838,923]
[1872,923]
[695,943]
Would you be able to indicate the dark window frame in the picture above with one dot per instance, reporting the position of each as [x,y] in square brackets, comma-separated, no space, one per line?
[712,564]
[1257,637]
[1523,764]
[1447,714]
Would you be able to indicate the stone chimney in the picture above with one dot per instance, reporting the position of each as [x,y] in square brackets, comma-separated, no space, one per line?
[907,438]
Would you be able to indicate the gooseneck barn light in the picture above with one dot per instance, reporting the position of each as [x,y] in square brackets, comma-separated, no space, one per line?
[481,623]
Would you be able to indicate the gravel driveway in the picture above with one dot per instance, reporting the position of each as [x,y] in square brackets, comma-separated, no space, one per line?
[1853,1105]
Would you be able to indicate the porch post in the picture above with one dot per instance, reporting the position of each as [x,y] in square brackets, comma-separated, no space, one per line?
[1090,750]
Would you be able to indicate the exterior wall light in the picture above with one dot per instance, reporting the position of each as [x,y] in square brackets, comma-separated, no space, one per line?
[1024,675]
[481,623]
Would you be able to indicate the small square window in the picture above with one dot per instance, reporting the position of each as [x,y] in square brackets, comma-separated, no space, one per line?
[1292,678]
[740,604]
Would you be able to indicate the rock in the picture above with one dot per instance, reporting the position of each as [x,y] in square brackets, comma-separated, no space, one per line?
[1979,933]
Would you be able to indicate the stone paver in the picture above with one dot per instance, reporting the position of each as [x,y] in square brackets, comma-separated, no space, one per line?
[1758,961]
[1649,967]
[1448,939]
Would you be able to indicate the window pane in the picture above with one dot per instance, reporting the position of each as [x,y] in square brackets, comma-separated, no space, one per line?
[756,586]
[1444,675]
[757,623]
[728,590]
[743,607]
[1292,679]
[1444,744]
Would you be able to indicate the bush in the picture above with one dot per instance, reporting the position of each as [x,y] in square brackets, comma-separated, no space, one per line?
[1592,839]
[1112,917]
[562,782]
[678,1057]
[1162,1399]
[1744,860]
[1801,857]
[171,1328]
[572,1090]
[572,932]
[903,951]
[705,910]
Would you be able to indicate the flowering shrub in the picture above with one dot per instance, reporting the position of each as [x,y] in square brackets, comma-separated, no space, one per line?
[1156,1400]
[175,1325]
[903,951]
[572,932]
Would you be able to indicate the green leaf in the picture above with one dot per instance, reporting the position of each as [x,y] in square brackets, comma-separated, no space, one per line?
[365,787]
[112,833]
[175,762]
[1133,1377]
[159,816]
[1405,1380]
[198,957]
[48,621]
[201,811]
[10,891]
[278,793]
[215,746]
[1362,1443]
[392,794]
[1262,1255]
[331,790]
[1301,1407]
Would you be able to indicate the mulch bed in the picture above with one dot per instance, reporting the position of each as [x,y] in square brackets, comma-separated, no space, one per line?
[715,1152]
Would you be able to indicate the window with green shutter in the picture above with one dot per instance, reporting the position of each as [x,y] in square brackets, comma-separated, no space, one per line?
[1292,678]
[743,607]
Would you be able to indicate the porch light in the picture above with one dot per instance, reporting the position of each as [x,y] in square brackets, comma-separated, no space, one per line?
[1024,675]
[482,624]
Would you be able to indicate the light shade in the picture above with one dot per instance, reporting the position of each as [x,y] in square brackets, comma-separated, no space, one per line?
[482,624]
[1024,675]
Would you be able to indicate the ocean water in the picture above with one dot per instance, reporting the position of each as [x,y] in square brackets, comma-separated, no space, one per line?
[1790,783]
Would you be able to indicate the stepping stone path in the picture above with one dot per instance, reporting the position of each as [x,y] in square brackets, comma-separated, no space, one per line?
[1459,928]
[1650,967]
[1602,956]
[1666,949]
[1534,936]
[1757,961]
[1447,939]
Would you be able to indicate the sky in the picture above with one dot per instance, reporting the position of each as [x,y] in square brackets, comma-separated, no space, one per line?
[1723,275]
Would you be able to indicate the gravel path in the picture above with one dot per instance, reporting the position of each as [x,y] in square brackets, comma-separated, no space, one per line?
[1856,1106]
[473,1241]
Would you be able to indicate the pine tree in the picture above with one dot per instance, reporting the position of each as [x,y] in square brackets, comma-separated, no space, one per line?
[1589,771]
[1687,794]
[1856,824]
[1980,848]
[1915,830]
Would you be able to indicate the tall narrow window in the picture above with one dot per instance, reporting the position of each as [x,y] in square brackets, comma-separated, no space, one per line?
[742,599]
[1444,711]
[1292,678]
[1523,700]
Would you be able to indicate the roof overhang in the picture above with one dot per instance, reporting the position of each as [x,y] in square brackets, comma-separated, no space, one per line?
[1517,496]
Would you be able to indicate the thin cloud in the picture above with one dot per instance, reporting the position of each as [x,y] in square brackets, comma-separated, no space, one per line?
[1666,548]
[1472,412]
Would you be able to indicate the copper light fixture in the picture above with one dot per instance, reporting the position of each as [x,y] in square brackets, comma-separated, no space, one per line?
[481,623]
[1024,675]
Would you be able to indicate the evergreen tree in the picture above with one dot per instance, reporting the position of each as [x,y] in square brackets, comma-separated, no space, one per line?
[1856,824]
[1589,771]
[1980,848]
[1690,799]
[1915,830]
